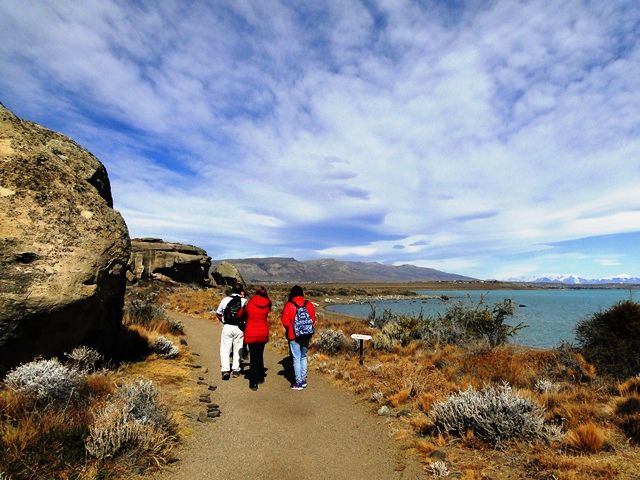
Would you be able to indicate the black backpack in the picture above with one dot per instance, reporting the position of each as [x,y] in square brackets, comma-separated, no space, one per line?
[230,313]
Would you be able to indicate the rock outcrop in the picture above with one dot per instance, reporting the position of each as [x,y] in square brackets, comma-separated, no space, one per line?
[63,248]
[226,273]
[154,259]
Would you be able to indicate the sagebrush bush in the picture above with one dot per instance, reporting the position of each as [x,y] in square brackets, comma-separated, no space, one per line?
[398,330]
[494,414]
[439,469]
[175,327]
[141,398]
[543,385]
[165,347]
[110,431]
[45,380]
[611,339]
[133,418]
[330,341]
[84,358]
[380,341]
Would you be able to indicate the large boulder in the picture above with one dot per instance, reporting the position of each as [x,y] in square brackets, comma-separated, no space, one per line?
[63,248]
[226,273]
[154,259]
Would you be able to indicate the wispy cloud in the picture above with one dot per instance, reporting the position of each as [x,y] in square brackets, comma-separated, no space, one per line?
[434,134]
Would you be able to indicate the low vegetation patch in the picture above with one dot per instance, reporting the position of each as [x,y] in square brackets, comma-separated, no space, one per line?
[330,341]
[132,419]
[66,418]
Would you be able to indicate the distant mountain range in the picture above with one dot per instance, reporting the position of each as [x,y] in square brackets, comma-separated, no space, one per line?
[279,269]
[575,280]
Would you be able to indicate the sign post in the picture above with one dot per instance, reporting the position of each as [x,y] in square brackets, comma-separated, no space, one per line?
[361,338]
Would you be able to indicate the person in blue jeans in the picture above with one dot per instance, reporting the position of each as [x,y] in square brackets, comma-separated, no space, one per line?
[298,346]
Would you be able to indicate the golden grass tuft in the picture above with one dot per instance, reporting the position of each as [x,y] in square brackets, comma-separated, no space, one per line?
[587,438]
[629,405]
[399,398]
[421,423]
[630,387]
[471,474]
[425,401]
[630,425]
[100,385]
[424,446]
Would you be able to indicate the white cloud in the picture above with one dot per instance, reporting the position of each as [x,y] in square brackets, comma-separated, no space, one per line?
[482,131]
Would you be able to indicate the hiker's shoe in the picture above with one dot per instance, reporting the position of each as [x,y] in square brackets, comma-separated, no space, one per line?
[235,374]
[296,386]
[304,384]
[225,375]
[253,386]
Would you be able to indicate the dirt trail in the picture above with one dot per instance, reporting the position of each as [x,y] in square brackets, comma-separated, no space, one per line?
[276,433]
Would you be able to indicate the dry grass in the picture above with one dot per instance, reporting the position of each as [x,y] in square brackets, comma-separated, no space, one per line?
[630,425]
[630,387]
[587,438]
[628,405]
[47,440]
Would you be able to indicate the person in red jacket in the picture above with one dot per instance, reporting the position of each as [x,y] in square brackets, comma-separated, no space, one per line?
[256,334]
[297,346]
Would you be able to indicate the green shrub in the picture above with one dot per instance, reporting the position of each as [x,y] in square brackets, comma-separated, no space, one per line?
[611,339]
[479,322]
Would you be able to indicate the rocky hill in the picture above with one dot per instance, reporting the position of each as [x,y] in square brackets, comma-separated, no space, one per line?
[277,269]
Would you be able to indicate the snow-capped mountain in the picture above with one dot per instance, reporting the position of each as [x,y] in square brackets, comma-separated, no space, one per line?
[572,279]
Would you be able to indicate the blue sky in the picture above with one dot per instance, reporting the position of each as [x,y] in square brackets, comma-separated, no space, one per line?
[493,139]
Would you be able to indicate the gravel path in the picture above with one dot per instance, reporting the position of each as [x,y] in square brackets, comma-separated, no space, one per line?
[276,433]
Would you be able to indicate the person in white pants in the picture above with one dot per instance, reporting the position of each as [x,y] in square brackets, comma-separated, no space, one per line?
[232,337]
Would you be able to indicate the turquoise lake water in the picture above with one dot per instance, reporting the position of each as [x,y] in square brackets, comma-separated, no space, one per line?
[551,315]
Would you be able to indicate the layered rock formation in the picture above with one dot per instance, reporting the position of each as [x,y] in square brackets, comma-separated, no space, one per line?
[152,258]
[226,273]
[63,248]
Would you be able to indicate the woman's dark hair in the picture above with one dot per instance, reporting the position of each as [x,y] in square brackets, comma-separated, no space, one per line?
[296,291]
[262,292]
[237,288]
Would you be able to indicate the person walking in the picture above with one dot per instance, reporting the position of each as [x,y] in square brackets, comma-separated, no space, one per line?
[256,334]
[298,319]
[232,335]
